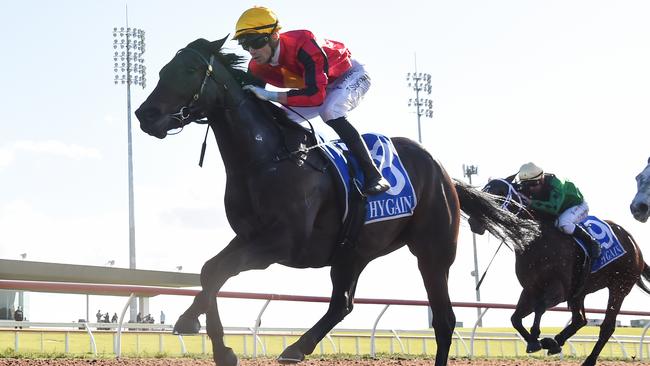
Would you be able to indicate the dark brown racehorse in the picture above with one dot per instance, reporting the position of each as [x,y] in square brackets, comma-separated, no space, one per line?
[548,270]
[283,206]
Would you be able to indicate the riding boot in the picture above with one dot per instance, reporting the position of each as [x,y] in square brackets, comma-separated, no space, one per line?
[374,182]
[593,246]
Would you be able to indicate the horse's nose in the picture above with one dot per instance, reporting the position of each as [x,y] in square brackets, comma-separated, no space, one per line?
[147,114]
[148,117]
[638,208]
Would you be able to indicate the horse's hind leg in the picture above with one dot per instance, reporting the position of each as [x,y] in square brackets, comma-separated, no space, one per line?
[616,297]
[344,274]
[434,269]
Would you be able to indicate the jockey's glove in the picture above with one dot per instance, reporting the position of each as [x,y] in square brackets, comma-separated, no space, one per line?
[262,93]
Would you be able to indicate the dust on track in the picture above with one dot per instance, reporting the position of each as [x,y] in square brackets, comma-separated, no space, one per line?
[551,361]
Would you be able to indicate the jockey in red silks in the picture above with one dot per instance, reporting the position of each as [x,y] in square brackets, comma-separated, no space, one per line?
[323,78]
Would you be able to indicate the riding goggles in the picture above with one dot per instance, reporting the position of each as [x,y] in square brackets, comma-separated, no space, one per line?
[530,183]
[256,42]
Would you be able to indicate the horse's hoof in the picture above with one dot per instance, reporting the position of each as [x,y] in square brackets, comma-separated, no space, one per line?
[227,358]
[589,361]
[533,347]
[187,325]
[291,355]
[551,345]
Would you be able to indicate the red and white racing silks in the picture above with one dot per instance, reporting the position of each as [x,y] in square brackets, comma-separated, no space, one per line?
[306,65]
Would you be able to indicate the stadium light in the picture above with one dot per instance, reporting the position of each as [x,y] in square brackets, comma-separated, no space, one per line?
[129,68]
[468,171]
[420,83]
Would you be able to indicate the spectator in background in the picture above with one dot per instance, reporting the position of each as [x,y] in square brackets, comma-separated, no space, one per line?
[19,316]
[114,318]
[162,317]
[138,318]
[106,318]
[99,316]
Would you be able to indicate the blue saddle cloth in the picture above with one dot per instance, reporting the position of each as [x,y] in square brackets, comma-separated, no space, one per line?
[398,201]
[611,248]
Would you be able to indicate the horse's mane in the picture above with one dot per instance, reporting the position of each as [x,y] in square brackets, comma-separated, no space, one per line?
[235,64]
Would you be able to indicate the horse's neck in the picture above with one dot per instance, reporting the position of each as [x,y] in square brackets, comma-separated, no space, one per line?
[246,137]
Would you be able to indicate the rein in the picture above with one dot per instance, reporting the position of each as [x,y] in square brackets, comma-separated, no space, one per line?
[512,192]
[478,285]
[185,112]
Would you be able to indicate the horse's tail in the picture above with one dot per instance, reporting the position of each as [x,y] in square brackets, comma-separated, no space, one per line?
[645,275]
[485,209]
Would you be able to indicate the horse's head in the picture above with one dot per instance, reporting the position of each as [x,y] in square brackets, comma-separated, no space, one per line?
[499,187]
[640,205]
[191,84]
[508,191]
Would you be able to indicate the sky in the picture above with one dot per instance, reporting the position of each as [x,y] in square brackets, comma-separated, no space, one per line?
[564,84]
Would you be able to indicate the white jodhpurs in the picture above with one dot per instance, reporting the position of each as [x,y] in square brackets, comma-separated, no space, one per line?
[567,221]
[342,95]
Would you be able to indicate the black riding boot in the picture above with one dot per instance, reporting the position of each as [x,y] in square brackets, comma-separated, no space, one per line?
[374,182]
[594,252]
[592,245]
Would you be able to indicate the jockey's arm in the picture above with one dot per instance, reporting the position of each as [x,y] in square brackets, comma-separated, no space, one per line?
[555,201]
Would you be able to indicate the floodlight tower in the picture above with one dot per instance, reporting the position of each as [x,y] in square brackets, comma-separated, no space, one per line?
[420,83]
[468,171]
[129,46]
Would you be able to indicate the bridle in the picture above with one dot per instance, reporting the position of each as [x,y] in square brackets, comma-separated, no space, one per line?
[512,194]
[184,113]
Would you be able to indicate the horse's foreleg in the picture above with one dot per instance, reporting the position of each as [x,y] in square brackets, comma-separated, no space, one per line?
[578,320]
[344,275]
[540,309]
[547,343]
[524,308]
[235,258]
[212,278]
[609,323]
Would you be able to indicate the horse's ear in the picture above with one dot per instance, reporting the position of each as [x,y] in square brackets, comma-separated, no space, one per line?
[648,160]
[219,43]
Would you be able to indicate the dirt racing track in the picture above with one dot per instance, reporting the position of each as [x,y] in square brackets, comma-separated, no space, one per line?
[551,361]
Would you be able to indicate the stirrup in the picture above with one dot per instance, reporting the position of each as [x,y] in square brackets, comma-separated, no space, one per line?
[595,251]
[378,186]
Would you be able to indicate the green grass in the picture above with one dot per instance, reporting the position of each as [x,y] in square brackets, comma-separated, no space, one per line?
[420,344]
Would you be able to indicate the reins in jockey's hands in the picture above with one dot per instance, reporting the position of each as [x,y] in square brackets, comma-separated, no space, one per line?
[262,93]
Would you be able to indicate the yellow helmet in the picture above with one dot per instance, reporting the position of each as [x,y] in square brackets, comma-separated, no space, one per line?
[530,171]
[256,20]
